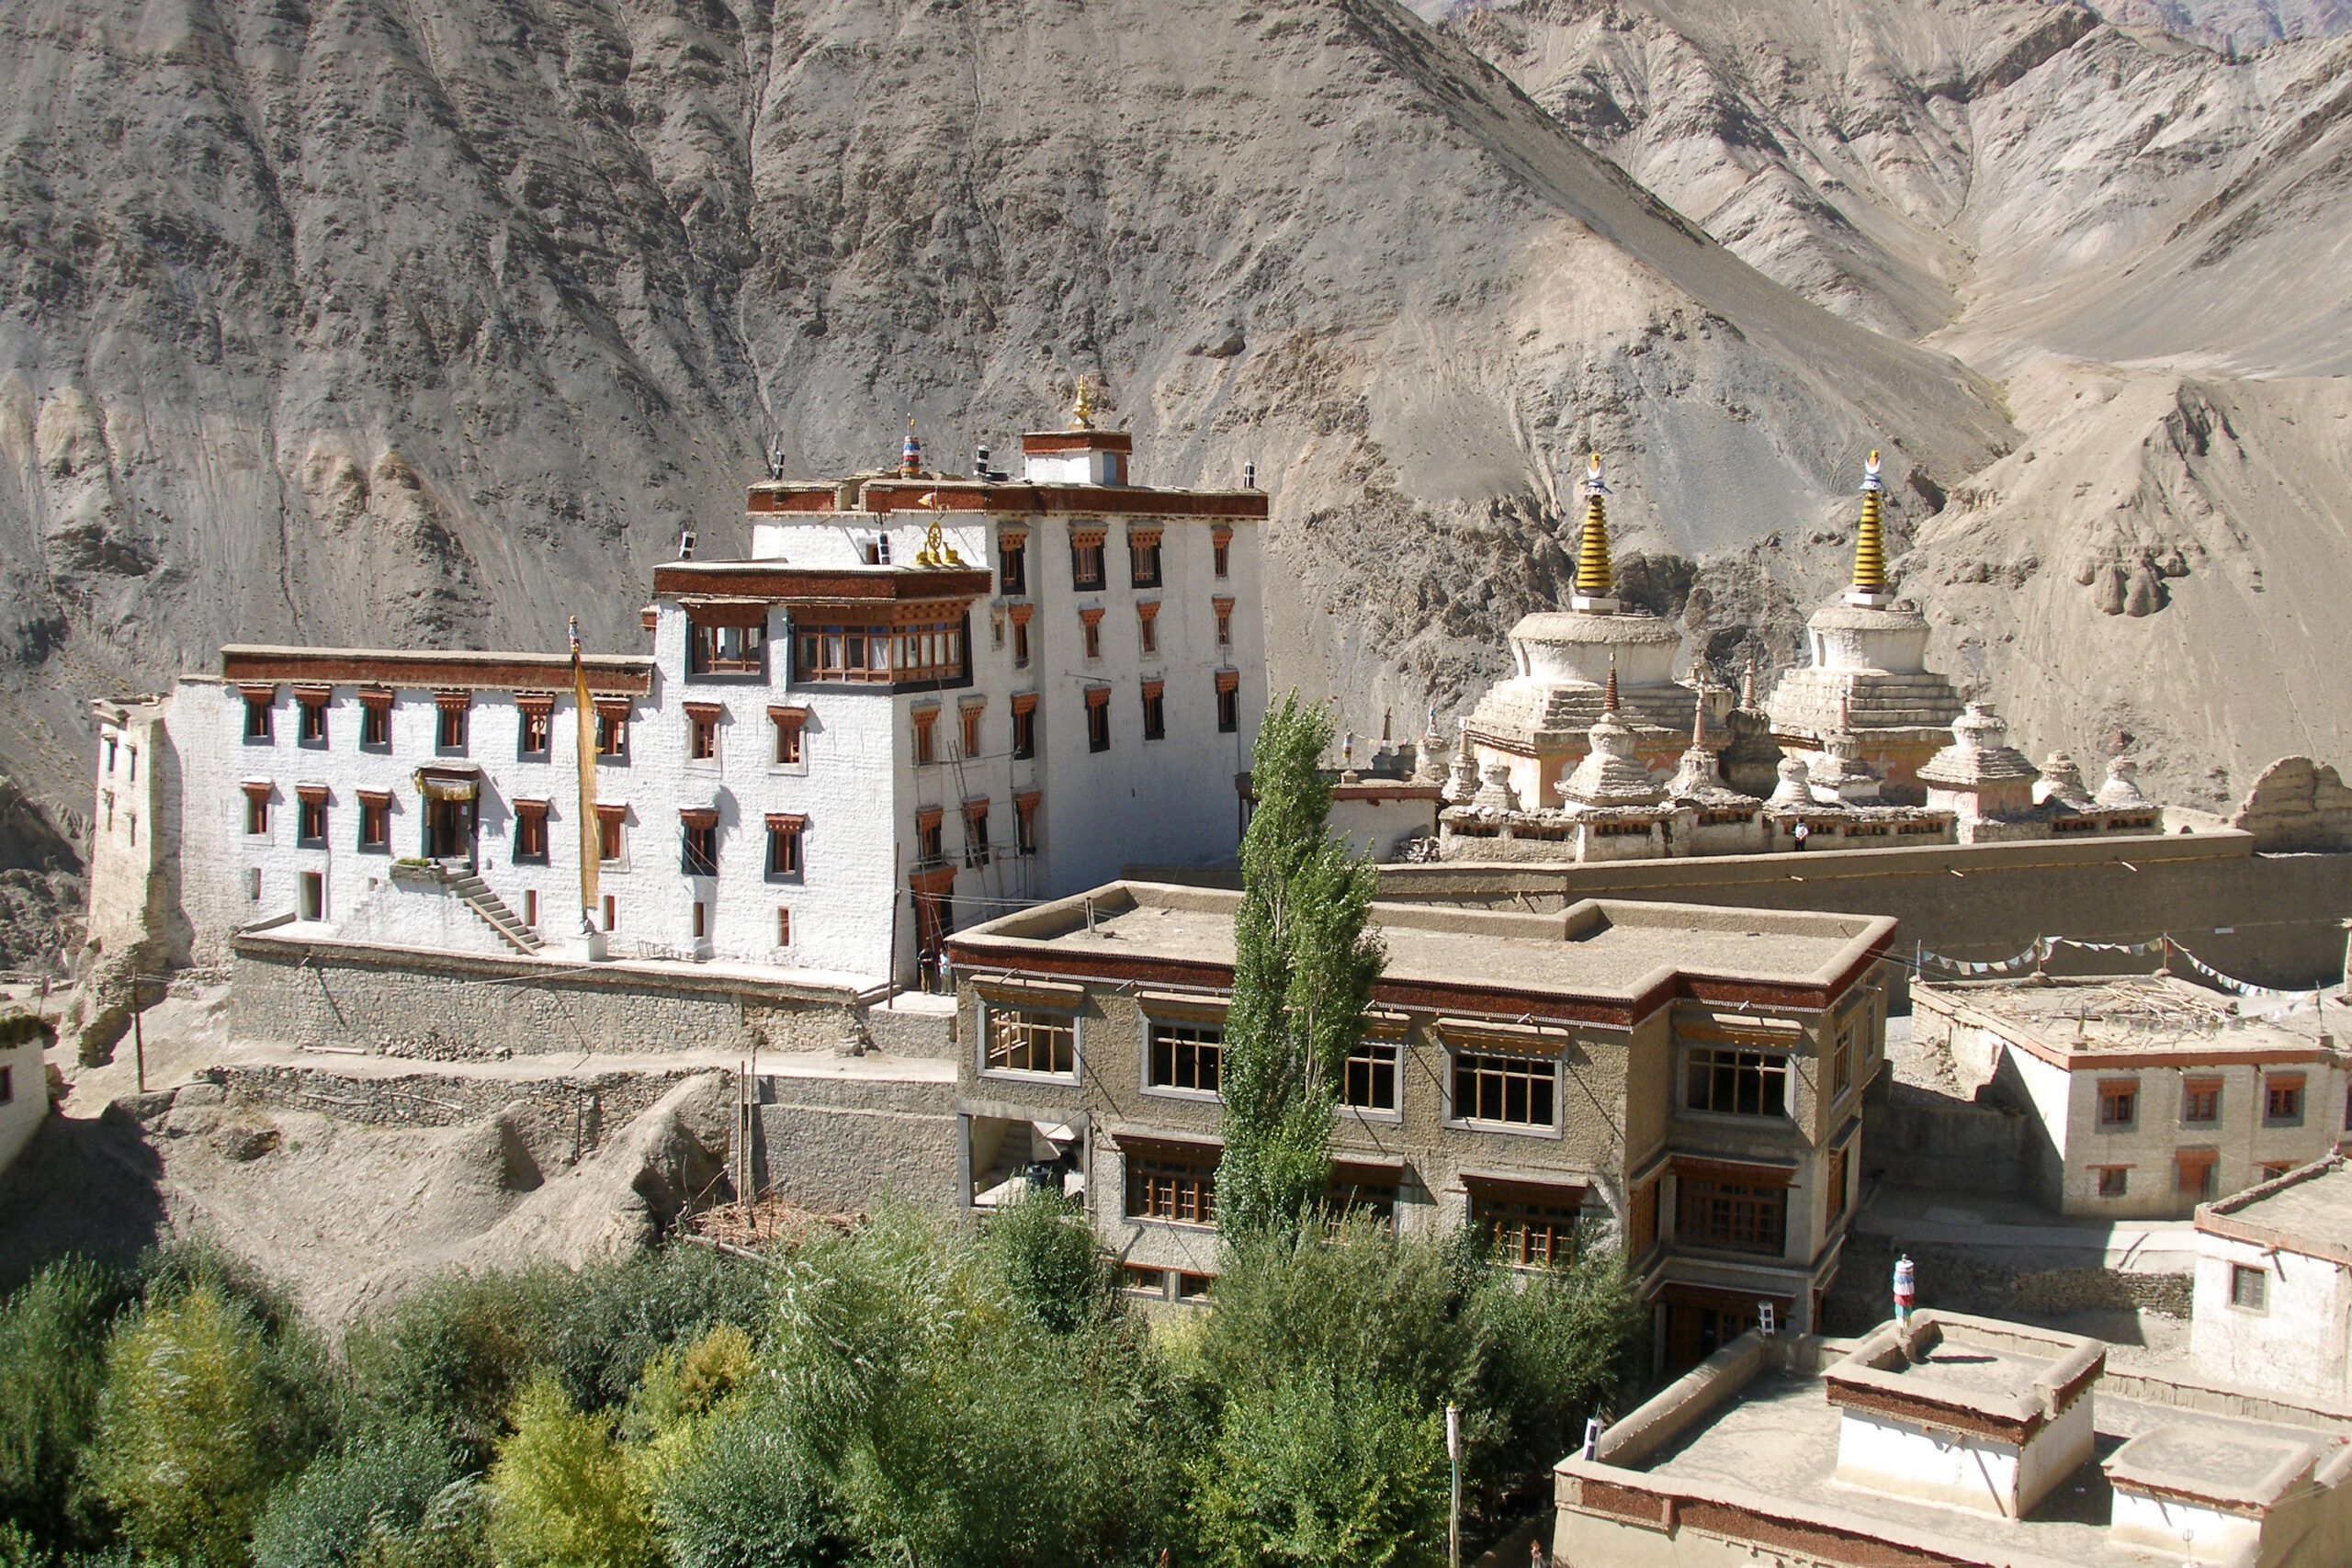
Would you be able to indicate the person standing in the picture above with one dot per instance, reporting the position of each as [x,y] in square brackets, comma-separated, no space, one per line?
[1804,831]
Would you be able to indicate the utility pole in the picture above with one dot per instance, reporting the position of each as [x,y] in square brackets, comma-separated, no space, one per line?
[1453,1508]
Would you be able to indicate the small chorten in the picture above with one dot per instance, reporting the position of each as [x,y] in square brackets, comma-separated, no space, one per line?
[1462,783]
[2062,781]
[1496,798]
[2120,787]
[1611,774]
[1699,778]
[911,455]
[1429,762]
[1794,792]
[1980,777]
[1839,775]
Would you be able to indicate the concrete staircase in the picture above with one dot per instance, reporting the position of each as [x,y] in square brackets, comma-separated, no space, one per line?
[494,911]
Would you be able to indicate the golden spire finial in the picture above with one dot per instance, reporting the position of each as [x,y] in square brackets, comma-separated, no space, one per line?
[1082,415]
[1596,578]
[1870,540]
[1609,694]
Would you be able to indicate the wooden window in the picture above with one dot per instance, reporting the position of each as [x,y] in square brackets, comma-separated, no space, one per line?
[258,700]
[1024,726]
[1369,1080]
[310,715]
[1221,551]
[1186,1055]
[1091,627]
[375,821]
[1642,1224]
[790,724]
[1086,559]
[1148,628]
[536,725]
[2249,1288]
[1228,701]
[701,920]
[612,913]
[1362,1191]
[2118,1105]
[451,710]
[609,839]
[784,843]
[1024,822]
[783,927]
[702,733]
[531,906]
[1098,719]
[257,809]
[1175,1186]
[2114,1180]
[719,648]
[929,845]
[1020,637]
[612,730]
[1194,1287]
[1143,558]
[1019,1041]
[311,816]
[1743,1217]
[2282,1100]
[1139,1280]
[1224,608]
[1012,562]
[878,655]
[1155,710]
[531,832]
[926,723]
[1528,1227]
[1833,1180]
[1841,1060]
[375,720]
[975,832]
[1516,1091]
[2200,1102]
[2193,1173]
[969,712]
[698,841]
[1729,1081]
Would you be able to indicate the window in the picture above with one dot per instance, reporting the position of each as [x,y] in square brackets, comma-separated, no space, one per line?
[1516,1091]
[1528,1227]
[536,726]
[612,731]
[1179,1187]
[1841,1061]
[784,844]
[609,843]
[1022,1042]
[1194,1287]
[873,549]
[1024,822]
[702,919]
[1833,1180]
[2249,1288]
[1224,608]
[612,913]
[1186,1056]
[970,713]
[375,821]
[2118,1105]
[1098,720]
[1086,559]
[1368,1082]
[1221,551]
[531,906]
[1147,628]
[1012,562]
[2271,1172]
[1741,1215]
[728,649]
[1139,1280]
[699,843]
[930,847]
[1228,701]
[878,655]
[310,719]
[1143,558]
[2282,1101]
[1728,1081]
[257,716]
[1020,639]
[2193,1173]
[257,810]
[783,927]
[1024,726]
[975,833]
[2200,1102]
[376,721]
[926,722]
[701,734]
[531,832]
[2114,1180]
[451,709]
[110,759]
[1091,627]
[253,884]
[1361,1190]
[790,724]
[8,1082]
[1155,711]
[1641,1226]
[311,893]
[311,818]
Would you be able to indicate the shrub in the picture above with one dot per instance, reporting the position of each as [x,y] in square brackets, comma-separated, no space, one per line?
[562,1492]
[1047,1252]
[52,1364]
[378,1482]
[1336,1471]
[746,1493]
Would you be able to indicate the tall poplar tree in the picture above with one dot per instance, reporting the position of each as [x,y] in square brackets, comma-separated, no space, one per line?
[1303,966]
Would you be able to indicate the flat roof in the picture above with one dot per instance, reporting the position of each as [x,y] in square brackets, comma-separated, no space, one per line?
[2139,1019]
[2308,1210]
[1601,961]
[266,663]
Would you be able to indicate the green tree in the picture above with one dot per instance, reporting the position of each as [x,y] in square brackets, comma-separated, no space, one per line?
[378,1482]
[52,1365]
[1304,963]
[563,1492]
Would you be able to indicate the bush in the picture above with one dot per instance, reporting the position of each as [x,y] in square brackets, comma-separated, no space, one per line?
[52,1364]
[1047,1252]
[378,1482]
[562,1492]
[1334,1471]
[198,1418]
[747,1492]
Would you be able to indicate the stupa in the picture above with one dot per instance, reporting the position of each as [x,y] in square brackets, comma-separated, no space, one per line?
[1867,680]
[1538,723]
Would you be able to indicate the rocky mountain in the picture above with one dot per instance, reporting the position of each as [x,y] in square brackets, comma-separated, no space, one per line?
[434,323]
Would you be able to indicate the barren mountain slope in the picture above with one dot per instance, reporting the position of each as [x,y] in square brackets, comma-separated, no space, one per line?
[431,323]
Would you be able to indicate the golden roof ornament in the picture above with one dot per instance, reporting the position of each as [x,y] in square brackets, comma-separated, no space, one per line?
[1082,415]
[1596,579]
[1869,588]
[937,550]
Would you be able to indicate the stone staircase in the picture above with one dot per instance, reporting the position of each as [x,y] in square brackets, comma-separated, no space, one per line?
[494,911]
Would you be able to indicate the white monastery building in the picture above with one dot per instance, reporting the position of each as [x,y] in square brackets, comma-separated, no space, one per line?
[923,697]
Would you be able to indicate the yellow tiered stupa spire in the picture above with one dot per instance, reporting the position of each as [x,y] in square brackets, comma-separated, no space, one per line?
[1870,544]
[1595,584]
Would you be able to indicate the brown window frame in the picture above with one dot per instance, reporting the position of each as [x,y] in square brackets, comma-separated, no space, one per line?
[1834,1180]
[1228,701]
[783,926]
[1221,552]
[612,838]
[791,741]
[1529,1228]
[1024,726]
[260,727]
[969,713]
[1013,564]
[2125,1093]
[310,821]
[1086,574]
[1716,1080]
[786,857]
[702,733]
[1155,711]
[533,729]
[257,812]
[926,736]
[1375,1061]
[1641,1221]
[1184,1055]
[1013,1038]
[2112,1181]
[1492,1077]
[2200,1102]
[1143,558]
[2290,1086]
[375,720]
[1090,624]
[698,843]
[1024,822]
[2205,1163]
[310,718]
[452,725]
[611,732]
[530,832]
[375,822]
[975,833]
[1735,1216]
[726,648]
[1172,1186]
[2242,1276]
[1147,628]
[931,845]
[1098,719]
